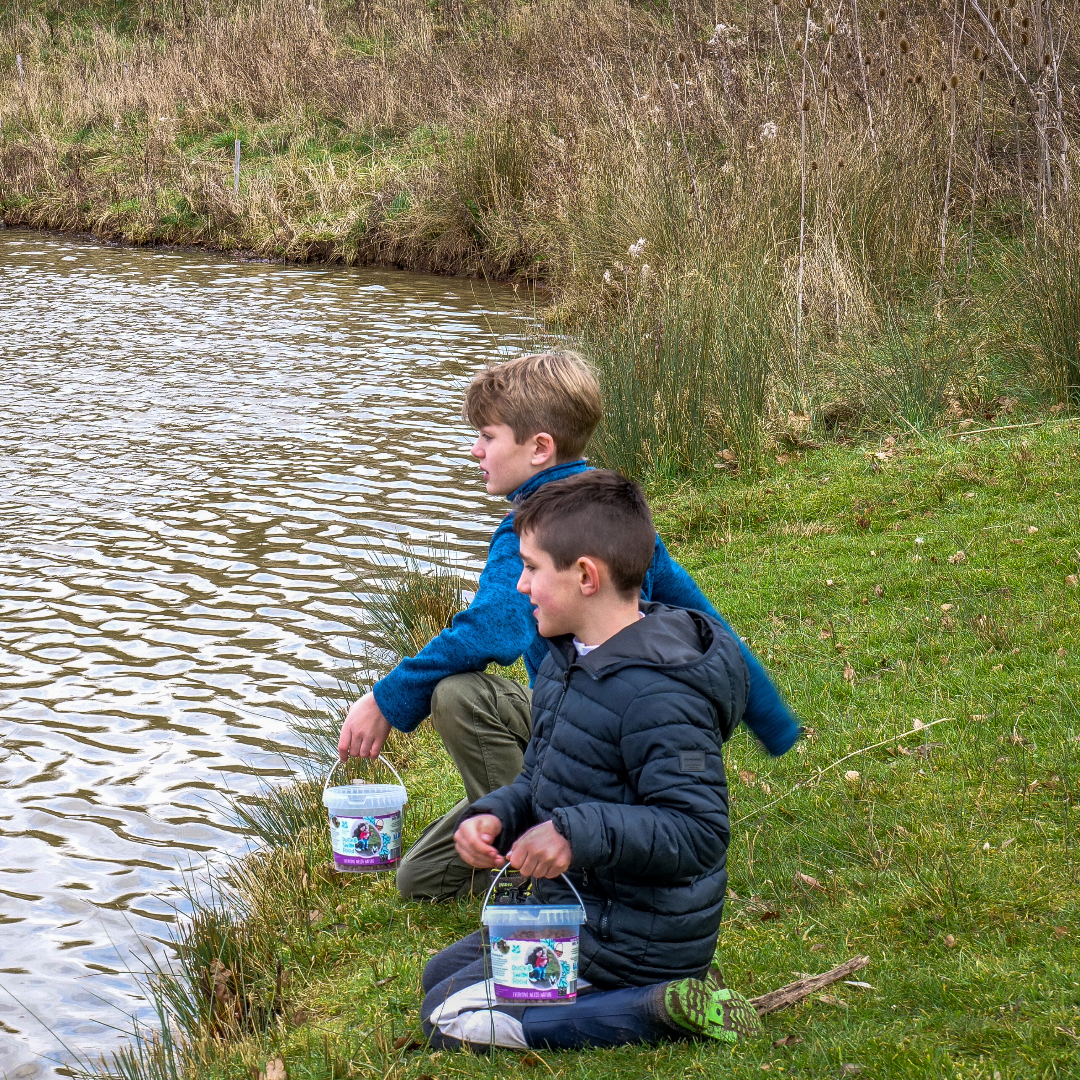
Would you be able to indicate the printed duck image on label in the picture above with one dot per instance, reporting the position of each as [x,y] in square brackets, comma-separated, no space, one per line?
[535,969]
[372,842]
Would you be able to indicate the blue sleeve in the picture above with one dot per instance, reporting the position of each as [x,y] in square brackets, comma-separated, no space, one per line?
[498,626]
[766,714]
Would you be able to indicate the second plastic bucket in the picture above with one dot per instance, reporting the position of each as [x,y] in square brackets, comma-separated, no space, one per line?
[365,823]
[534,951]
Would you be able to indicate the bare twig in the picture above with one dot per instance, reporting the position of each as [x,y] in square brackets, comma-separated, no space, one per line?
[839,761]
[1011,427]
[686,151]
[862,67]
[802,194]
[1001,45]
[803,988]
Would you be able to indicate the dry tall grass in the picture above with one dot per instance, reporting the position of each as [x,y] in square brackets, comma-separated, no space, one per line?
[870,158]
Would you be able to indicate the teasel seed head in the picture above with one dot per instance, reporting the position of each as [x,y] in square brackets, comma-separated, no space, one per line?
[982,74]
[995,16]
[1048,60]
[799,43]
[880,14]
[776,3]
[944,86]
[805,104]
[1010,4]
[808,4]
[910,81]
[954,81]
[1025,38]
[841,163]
[977,53]
[813,166]
[1012,102]
[1025,22]
[918,78]
[682,57]
[830,26]
[881,73]
[825,82]
[905,47]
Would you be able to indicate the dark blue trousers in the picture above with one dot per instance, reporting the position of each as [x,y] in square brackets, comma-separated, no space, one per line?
[635,1014]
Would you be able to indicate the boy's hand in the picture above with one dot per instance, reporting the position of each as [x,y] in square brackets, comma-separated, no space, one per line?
[364,731]
[541,852]
[474,839]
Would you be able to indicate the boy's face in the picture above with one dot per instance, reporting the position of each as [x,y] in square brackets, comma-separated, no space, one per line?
[557,597]
[506,463]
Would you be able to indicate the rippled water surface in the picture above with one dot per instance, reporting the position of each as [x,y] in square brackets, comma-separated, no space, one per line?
[190,453]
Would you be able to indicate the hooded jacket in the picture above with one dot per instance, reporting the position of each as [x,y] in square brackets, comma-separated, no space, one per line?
[626,760]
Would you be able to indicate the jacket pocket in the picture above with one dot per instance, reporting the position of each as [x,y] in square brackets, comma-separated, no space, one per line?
[604,930]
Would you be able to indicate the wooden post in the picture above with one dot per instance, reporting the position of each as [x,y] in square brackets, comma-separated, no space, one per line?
[236,167]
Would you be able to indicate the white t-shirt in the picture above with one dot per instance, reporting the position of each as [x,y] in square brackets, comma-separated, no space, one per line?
[584,650]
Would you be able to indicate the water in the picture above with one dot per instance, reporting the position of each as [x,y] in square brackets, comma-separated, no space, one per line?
[190,451]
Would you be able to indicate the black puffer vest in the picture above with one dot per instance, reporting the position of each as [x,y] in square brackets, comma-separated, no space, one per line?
[625,759]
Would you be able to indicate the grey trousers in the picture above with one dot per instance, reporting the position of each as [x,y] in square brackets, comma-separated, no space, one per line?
[484,722]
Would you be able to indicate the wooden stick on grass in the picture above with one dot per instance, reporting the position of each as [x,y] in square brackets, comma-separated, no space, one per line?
[803,988]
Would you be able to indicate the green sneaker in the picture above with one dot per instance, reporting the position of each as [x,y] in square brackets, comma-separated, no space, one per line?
[718,1013]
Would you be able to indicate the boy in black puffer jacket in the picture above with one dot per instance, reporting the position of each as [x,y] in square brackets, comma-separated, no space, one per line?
[623,790]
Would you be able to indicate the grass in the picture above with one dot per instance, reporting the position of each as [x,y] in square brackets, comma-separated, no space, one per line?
[948,855]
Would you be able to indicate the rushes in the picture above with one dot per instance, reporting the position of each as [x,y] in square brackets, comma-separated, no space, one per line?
[417,603]
[686,369]
[1050,282]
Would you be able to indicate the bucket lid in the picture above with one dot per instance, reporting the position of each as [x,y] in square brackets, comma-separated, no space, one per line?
[533,914]
[361,796]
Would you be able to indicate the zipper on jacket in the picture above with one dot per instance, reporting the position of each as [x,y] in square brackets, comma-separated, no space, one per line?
[558,708]
[605,921]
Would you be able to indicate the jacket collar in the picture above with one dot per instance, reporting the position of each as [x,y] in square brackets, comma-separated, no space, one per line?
[637,645]
[556,472]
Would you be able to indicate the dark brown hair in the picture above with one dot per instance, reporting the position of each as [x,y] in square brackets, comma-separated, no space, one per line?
[555,392]
[596,513]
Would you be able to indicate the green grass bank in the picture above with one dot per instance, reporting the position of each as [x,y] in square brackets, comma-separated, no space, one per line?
[903,581]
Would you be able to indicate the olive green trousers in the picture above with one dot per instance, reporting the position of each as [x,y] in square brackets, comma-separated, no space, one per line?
[484,722]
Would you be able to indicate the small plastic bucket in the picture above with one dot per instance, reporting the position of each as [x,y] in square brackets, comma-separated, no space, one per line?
[365,823]
[534,950]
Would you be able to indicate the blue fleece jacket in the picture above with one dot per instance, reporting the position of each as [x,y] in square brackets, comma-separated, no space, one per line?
[498,626]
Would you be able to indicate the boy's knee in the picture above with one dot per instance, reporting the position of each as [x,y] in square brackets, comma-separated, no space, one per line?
[454,700]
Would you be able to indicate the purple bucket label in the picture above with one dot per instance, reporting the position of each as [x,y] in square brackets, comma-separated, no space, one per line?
[368,842]
[535,969]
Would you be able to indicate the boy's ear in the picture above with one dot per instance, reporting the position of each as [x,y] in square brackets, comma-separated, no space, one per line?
[589,575]
[543,449]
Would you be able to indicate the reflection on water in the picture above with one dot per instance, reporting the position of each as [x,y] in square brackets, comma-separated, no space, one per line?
[189,452]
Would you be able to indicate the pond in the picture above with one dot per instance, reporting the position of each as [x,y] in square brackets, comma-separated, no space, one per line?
[194,453]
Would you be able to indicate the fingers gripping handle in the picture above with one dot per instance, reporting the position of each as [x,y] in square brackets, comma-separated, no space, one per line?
[504,868]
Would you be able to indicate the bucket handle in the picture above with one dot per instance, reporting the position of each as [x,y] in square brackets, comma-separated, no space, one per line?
[504,868]
[330,774]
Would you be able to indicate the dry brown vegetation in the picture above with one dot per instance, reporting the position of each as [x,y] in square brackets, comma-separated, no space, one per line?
[819,173]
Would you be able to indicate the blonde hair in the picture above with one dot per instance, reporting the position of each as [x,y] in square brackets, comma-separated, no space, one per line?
[556,392]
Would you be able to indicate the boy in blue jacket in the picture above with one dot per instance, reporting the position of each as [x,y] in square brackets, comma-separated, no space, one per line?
[622,791]
[534,417]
